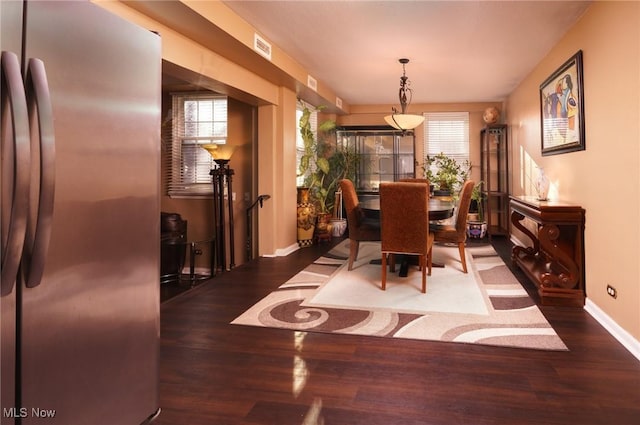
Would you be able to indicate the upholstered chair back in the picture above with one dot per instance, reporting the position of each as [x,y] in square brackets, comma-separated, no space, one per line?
[359,229]
[463,208]
[457,234]
[404,211]
[350,201]
[414,180]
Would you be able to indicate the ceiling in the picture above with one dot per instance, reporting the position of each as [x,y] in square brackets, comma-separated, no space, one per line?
[459,51]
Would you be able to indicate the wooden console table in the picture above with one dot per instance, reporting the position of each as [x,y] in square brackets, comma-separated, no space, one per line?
[555,262]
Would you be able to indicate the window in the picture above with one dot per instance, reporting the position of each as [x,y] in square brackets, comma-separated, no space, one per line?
[447,132]
[313,119]
[198,119]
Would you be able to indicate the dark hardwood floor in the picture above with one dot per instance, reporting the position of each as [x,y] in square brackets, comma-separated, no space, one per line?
[216,373]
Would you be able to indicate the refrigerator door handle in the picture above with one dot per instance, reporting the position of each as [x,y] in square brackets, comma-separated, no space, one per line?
[16,168]
[42,146]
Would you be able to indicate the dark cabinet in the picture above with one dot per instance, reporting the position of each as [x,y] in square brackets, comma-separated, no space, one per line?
[382,156]
[494,172]
[173,251]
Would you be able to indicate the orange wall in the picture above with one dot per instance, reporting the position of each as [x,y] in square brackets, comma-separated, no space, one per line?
[277,175]
[604,179]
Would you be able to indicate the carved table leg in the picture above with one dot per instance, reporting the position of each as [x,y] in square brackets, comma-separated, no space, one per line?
[516,219]
[564,271]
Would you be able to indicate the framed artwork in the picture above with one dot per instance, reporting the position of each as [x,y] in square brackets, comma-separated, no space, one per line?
[562,109]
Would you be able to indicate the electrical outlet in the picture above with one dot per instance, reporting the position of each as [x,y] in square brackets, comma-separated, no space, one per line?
[612,291]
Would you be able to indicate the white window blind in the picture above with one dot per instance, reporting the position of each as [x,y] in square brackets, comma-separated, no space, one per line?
[313,120]
[198,119]
[447,132]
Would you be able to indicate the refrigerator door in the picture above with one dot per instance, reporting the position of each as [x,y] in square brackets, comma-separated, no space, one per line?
[14,174]
[90,325]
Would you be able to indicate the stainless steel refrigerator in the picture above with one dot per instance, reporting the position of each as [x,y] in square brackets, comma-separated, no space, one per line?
[81,95]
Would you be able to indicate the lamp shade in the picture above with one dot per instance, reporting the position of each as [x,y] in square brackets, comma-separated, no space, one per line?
[220,151]
[404,121]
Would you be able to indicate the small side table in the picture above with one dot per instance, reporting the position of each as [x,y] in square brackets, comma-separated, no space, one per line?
[195,249]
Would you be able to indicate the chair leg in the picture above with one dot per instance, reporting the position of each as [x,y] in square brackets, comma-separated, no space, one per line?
[430,260]
[463,257]
[353,252]
[384,271]
[424,273]
[392,263]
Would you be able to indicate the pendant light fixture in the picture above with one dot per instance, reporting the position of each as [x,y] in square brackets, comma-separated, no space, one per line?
[403,121]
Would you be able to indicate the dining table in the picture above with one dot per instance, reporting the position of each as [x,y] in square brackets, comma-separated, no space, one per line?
[439,209]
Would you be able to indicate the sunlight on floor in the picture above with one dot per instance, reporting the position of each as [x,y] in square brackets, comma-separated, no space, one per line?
[300,371]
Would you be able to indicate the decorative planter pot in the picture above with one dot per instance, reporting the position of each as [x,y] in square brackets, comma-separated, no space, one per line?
[323,227]
[476,229]
[338,227]
[441,192]
[306,212]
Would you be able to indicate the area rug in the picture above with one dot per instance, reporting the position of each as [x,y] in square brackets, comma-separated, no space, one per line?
[485,306]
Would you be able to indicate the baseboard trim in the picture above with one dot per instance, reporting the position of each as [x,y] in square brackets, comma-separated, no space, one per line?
[288,250]
[283,252]
[621,335]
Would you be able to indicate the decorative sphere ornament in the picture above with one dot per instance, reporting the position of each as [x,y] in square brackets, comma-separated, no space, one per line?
[491,115]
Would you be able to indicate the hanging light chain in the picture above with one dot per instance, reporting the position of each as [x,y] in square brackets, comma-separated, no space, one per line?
[404,121]
[404,88]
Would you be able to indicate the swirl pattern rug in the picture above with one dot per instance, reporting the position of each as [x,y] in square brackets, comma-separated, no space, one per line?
[485,306]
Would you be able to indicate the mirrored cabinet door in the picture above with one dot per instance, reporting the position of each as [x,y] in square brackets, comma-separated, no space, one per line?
[383,155]
[405,158]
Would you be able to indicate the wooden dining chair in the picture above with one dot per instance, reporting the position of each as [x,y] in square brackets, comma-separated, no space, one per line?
[359,228]
[404,212]
[456,233]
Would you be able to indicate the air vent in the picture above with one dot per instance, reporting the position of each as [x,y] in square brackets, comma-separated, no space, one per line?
[262,46]
[312,83]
